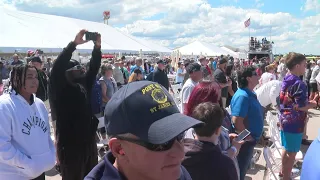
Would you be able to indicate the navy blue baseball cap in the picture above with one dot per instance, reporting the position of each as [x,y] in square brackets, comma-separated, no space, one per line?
[146,110]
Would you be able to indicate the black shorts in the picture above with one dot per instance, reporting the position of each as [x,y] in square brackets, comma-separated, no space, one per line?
[313,87]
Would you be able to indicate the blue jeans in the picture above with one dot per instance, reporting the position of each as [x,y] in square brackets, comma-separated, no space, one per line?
[244,158]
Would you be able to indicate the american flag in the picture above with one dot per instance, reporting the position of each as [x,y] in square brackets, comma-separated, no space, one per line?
[247,23]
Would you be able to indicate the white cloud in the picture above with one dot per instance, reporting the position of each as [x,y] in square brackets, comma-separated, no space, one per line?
[175,23]
[311,5]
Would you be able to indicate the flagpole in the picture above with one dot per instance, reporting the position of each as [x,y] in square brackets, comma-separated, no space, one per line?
[249,34]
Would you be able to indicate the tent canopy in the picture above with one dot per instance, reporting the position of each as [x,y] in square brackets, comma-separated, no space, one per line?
[23,30]
[232,53]
[202,48]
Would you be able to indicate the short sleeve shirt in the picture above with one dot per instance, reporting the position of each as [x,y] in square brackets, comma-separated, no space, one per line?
[186,92]
[179,79]
[291,95]
[245,104]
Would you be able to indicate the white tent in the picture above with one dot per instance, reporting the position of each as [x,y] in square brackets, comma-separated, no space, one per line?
[231,53]
[202,48]
[150,44]
[235,54]
[25,30]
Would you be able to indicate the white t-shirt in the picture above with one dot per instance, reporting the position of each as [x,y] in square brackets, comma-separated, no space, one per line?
[282,70]
[314,74]
[179,79]
[186,91]
[268,93]
[266,77]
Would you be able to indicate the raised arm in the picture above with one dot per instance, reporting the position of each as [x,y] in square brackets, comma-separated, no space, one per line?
[94,65]
[60,65]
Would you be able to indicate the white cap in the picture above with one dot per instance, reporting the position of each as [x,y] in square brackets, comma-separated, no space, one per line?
[318,62]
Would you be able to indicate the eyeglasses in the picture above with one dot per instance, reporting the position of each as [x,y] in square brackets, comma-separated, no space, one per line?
[77,67]
[154,147]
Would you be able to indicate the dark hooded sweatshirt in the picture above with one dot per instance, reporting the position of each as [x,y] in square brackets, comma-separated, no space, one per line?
[76,124]
[204,161]
[106,171]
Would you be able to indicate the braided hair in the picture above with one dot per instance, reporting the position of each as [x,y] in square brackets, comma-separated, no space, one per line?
[18,77]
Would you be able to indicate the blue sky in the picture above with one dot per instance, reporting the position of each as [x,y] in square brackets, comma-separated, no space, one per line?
[294,24]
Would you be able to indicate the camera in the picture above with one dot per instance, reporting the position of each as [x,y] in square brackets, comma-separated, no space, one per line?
[91,36]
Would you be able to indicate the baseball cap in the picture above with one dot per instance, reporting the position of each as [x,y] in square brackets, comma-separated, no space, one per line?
[193,67]
[223,60]
[160,61]
[318,61]
[35,59]
[146,110]
[72,63]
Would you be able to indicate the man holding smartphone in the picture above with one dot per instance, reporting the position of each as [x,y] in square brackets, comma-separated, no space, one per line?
[247,113]
[76,125]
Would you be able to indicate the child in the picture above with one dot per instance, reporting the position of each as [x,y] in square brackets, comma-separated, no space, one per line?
[294,106]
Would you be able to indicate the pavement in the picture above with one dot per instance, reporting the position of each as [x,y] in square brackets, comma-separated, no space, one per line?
[259,171]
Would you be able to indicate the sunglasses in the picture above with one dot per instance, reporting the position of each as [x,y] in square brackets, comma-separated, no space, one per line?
[77,67]
[154,147]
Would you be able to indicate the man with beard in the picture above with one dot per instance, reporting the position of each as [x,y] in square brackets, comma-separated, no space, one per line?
[76,124]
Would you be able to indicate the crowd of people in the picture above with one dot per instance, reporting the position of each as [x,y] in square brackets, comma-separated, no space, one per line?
[148,133]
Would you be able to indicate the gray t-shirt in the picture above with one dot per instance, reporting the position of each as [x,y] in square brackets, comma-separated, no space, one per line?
[111,86]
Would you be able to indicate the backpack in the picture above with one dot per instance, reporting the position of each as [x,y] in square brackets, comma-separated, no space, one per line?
[96,98]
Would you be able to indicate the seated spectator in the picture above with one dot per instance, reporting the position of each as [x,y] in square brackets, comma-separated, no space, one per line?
[204,159]
[146,131]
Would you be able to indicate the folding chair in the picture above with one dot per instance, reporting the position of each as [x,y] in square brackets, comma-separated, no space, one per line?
[276,139]
[274,166]
[176,89]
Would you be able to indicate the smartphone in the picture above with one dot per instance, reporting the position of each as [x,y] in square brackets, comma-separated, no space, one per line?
[91,36]
[245,133]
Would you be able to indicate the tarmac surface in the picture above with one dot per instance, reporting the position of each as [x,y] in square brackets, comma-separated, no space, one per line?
[259,170]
